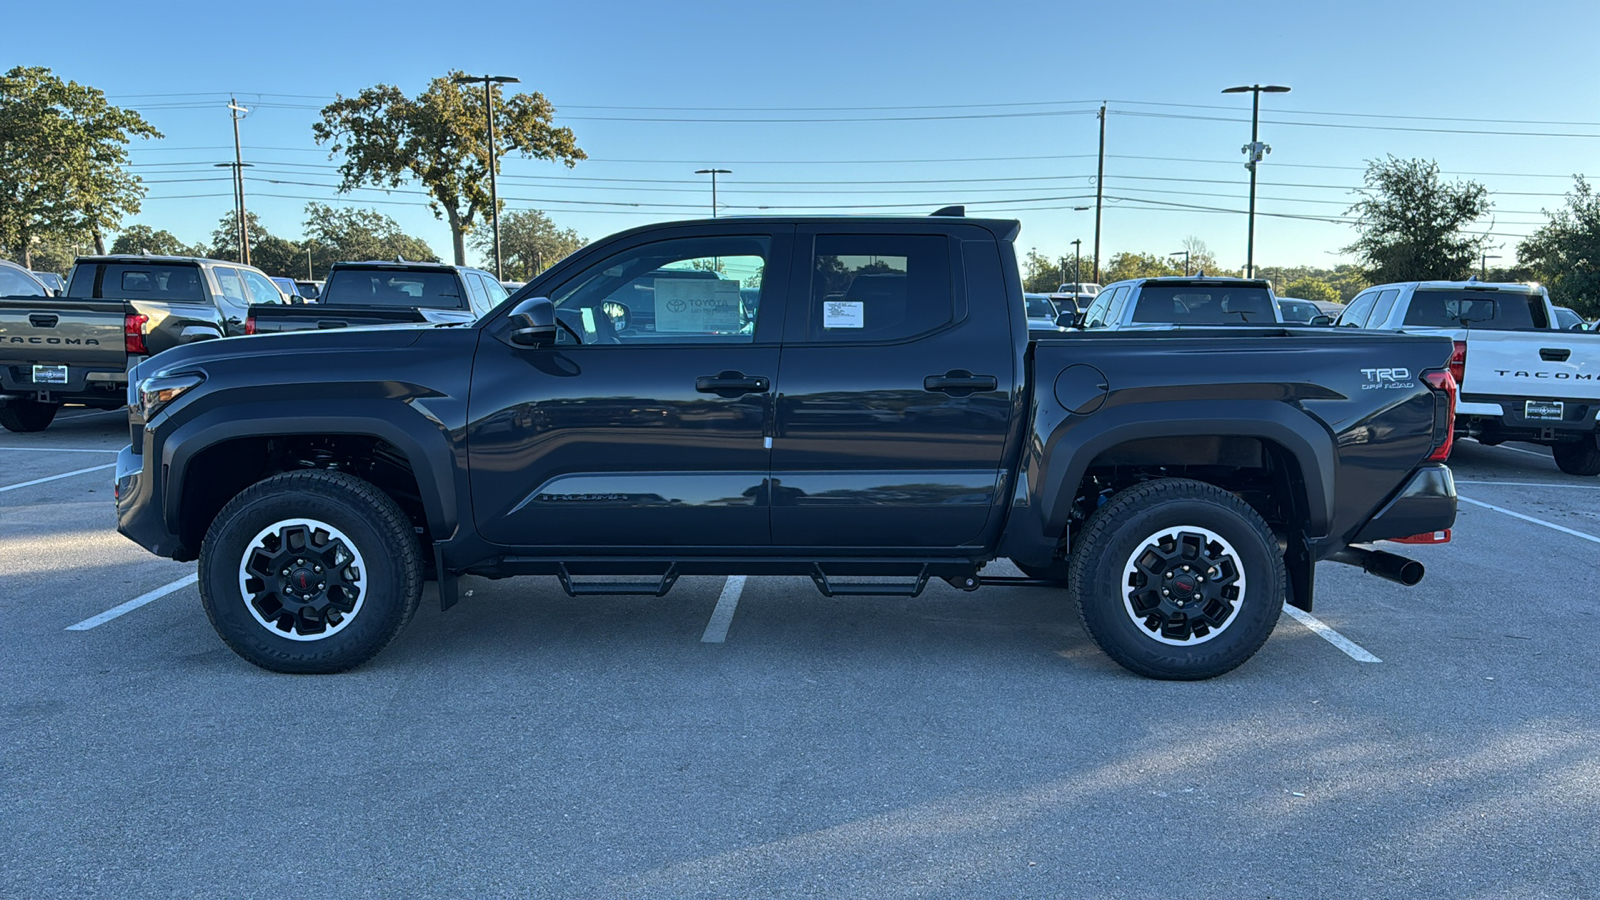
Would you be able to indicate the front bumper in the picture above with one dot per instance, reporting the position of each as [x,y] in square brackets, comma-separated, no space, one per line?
[1427,503]
[139,515]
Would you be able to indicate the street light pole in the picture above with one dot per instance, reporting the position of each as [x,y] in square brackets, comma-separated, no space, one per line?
[234,110]
[1253,152]
[494,158]
[1099,192]
[1185,255]
[713,173]
[1483,265]
[1077,265]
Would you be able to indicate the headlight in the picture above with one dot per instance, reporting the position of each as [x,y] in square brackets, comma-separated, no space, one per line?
[162,388]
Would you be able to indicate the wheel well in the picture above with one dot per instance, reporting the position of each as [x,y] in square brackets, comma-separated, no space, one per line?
[1262,472]
[218,473]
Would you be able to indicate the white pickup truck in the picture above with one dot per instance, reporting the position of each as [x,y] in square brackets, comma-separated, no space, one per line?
[1521,379]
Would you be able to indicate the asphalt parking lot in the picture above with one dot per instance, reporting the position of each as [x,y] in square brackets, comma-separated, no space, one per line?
[957,745]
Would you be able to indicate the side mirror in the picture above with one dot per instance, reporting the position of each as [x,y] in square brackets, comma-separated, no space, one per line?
[618,313]
[1321,320]
[533,322]
[1067,320]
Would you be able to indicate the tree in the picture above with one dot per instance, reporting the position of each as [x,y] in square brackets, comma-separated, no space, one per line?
[1311,289]
[270,253]
[530,242]
[1138,265]
[1411,222]
[1201,259]
[63,156]
[138,238]
[1566,250]
[334,235]
[57,253]
[438,139]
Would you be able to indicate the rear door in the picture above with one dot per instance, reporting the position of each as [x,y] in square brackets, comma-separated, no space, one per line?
[646,424]
[895,390]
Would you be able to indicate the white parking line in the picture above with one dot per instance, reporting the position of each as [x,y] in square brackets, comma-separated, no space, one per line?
[12,487]
[1516,450]
[1580,487]
[135,603]
[721,617]
[1516,515]
[1352,649]
[55,450]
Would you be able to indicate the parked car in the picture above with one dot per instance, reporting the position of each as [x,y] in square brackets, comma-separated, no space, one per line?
[290,289]
[1042,313]
[1071,303]
[117,310]
[310,290]
[52,281]
[886,412]
[512,286]
[385,293]
[1302,312]
[15,281]
[1569,320]
[1169,301]
[1520,379]
[1083,287]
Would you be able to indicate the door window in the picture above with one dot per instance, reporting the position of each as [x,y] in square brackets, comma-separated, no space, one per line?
[476,293]
[1355,315]
[703,290]
[879,287]
[230,285]
[261,288]
[1380,311]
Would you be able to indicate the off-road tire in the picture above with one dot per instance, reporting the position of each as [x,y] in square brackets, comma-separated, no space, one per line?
[24,416]
[382,537]
[1106,552]
[1580,457]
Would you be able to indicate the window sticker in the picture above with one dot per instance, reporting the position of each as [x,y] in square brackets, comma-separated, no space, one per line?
[697,305]
[843,314]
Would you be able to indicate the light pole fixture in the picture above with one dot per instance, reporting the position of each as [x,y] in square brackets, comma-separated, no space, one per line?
[488,113]
[713,173]
[1077,263]
[1185,255]
[1253,152]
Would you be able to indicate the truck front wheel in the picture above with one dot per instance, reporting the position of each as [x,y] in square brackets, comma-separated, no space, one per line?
[310,572]
[1177,579]
[1581,457]
[27,415]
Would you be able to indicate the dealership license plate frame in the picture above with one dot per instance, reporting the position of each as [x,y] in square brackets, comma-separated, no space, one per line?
[1544,410]
[50,374]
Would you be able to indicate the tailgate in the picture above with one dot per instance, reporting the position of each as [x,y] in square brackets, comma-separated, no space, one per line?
[62,331]
[1559,365]
[316,316]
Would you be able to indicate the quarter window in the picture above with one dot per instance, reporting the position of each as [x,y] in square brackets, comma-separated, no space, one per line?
[879,287]
[1355,315]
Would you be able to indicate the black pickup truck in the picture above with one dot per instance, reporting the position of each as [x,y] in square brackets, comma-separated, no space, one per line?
[846,397]
[387,293]
[117,310]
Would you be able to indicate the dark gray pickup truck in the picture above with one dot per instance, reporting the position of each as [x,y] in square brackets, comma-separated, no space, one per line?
[117,310]
[386,293]
[832,398]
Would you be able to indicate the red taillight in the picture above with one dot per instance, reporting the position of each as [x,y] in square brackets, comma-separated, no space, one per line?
[250,325]
[1444,381]
[1432,537]
[133,332]
[1458,362]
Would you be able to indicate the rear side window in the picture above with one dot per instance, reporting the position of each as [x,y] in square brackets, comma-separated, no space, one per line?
[81,281]
[1204,305]
[1457,308]
[173,282]
[480,299]
[1384,306]
[1355,315]
[879,287]
[393,287]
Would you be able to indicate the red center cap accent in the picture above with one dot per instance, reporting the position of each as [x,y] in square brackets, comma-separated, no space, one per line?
[302,579]
[1184,584]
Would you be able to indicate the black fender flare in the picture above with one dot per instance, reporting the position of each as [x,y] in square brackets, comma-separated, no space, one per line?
[1077,440]
[423,441]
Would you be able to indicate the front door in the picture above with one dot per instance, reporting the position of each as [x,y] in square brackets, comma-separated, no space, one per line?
[646,424]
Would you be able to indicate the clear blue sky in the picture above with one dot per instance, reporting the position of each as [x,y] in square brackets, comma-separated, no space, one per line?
[1362,71]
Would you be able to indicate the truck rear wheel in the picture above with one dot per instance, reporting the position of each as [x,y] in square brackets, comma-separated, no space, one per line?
[1580,457]
[310,572]
[1177,579]
[27,415]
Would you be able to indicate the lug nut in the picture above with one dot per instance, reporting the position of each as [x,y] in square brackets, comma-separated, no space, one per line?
[1200,579]
[1165,592]
[284,573]
[316,568]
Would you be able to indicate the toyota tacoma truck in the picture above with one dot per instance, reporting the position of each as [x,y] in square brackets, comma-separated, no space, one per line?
[1521,378]
[117,310]
[847,397]
[382,293]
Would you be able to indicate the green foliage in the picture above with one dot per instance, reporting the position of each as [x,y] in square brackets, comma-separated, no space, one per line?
[1138,265]
[57,253]
[530,242]
[1311,289]
[1565,252]
[1042,275]
[63,155]
[1411,222]
[439,139]
[138,238]
[349,234]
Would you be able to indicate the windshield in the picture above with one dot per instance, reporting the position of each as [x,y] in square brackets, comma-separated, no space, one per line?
[1222,304]
[355,286]
[1458,307]
[1298,310]
[1040,307]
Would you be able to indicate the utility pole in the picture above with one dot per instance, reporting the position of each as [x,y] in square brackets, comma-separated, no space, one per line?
[1077,265]
[1483,264]
[713,173]
[1185,255]
[1254,151]
[1099,192]
[240,235]
[237,111]
[494,158]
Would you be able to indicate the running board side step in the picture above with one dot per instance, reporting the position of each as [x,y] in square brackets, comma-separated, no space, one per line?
[657,588]
[868,589]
